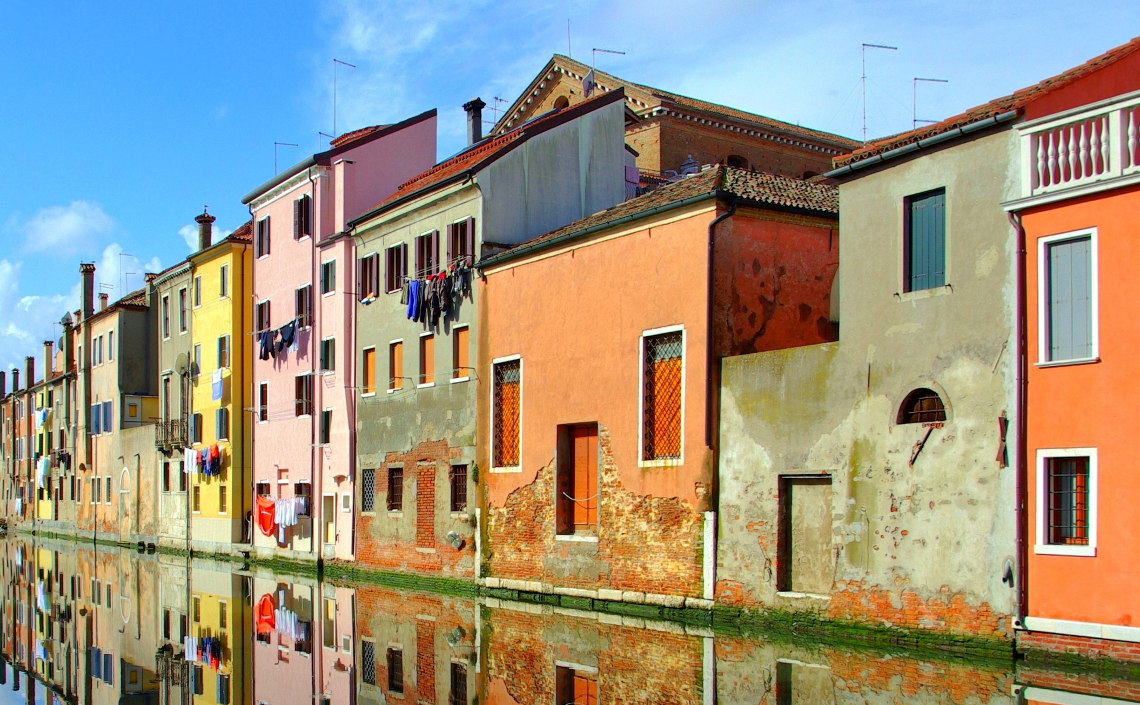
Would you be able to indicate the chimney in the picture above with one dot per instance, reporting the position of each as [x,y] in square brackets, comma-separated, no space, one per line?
[3,384]
[68,343]
[87,270]
[103,301]
[30,370]
[15,379]
[48,360]
[205,229]
[474,110]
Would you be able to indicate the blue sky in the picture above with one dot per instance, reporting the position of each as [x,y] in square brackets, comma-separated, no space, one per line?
[120,120]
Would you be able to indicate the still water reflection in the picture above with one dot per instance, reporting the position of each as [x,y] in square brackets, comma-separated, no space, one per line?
[114,626]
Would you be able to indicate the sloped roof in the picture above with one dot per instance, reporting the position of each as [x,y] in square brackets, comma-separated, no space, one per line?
[485,152]
[1016,101]
[753,187]
[647,98]
[355,135]
[244,233]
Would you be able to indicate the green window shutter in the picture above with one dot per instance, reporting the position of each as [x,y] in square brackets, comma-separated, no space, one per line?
[926,245]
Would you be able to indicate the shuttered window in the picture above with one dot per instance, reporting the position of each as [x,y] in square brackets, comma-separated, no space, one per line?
[661,401]
[395,266]
[302,217]
[924,252]
[261,238]
[461,241]
[368,277]
[369,371]
[427,254]
[507,412]
[395,365]
[1068,299]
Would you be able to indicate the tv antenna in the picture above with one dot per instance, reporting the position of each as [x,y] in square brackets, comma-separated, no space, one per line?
[342,63]
[275,146]
[865,47]
[594,55]
[123,275]
[495,109]
[914,100]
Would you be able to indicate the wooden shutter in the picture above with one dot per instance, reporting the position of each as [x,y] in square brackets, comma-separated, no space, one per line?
[585,476]
[926,250]
[1070,299]
[298,214]
[360,293]
[470,235]
[451,253]
[434,251]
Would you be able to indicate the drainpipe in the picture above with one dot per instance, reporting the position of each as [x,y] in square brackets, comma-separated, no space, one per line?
[1021,448]
[315,507]
[712,403]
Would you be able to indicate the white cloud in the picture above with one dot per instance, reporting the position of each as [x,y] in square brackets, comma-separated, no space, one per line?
[28,320]
[62,230]
[189,233]
[118,274]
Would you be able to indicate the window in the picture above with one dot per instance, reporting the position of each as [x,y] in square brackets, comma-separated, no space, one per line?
[921,406]
[368,662]
[369,371]
[222,423]
[662,367]
[224,351]
[107,499]
[222,502]
[461,241]
[224,279]
[223,609]
[107,420]
[196,428]
[261,317]
[395,365]
[263,402]
[183,476]
[165,317]
[368,277]
[458,695]
[166,484]
[328,276]
[111,345]
[304,305]
[1066,501]
[368,490]
[395,489]
[197,292]
[302,217]
[506,412]
[924,241]
[261,238]
[94,425]
[576,685]
[183,317]
[303,399]
[395,266]
[460,354]
[196,507]
[96,490]
[576,506]
[197,361]
[395,670]
[326,426]
[427,359]
[427,254]
[196,609]
[1067,318]
[736,161]
[328,354]
[458,481]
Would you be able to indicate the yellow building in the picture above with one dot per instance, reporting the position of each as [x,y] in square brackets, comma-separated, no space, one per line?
[221,359]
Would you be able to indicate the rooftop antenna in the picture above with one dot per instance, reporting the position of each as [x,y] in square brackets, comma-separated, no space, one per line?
[568,38]
[122,274]
[914,100]
[321,134]
[275,146]
[864,80]
[495,108]
[342,63]
[594,55]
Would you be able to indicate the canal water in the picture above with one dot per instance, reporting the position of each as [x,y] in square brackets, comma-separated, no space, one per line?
[87,624]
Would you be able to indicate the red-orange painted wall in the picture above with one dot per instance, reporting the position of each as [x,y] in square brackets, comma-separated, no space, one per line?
[1112,80]
[1090,405]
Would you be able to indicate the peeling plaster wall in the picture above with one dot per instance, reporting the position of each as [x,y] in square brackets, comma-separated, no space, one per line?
[921,544]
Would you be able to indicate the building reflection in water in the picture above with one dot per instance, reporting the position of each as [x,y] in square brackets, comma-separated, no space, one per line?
[116,627]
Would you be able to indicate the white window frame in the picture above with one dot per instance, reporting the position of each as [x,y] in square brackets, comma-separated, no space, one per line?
[263,409]
[196,295]
[1041,546]
[491,414]
[1043,244]
[331,265]
[224,281]
[661,462]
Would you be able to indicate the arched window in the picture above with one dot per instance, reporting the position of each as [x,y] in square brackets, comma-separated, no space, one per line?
[561,102]
[921,406]
[736,161]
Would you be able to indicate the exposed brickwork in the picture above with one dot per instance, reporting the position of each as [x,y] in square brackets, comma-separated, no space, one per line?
[645,544]
[1079,681]
[1124,651]
[425,661]
[412,540]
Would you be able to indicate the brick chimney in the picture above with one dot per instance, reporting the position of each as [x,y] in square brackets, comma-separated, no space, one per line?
[87,271]
[30,369]
[48,362]
[68,343]
[15,379]
[205,230]
[103,301]
[3,386]
[474,110]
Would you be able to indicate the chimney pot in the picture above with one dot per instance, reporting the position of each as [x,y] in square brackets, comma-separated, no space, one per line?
[103,301]
[205,230]
[15,379]
[3,388]
[30,370]
[48,366]
[87,271]
[474,110]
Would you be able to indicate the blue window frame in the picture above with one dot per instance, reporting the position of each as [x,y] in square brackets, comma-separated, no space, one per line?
[924,241]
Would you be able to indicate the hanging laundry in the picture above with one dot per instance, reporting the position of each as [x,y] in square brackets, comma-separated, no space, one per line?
[413,298]
[265,617]
[404,293]
[216,385]
[265,514]
[266,340]
[288,333]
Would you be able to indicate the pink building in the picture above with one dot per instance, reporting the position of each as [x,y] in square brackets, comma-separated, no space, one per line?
[302,318]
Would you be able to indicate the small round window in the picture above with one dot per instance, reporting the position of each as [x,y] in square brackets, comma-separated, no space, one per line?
[922,406]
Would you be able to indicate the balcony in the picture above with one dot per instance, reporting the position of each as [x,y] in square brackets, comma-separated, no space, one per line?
[171,434]
[1081,151]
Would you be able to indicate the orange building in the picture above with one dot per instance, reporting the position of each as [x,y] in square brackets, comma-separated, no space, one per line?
[599,366]
[1078,213]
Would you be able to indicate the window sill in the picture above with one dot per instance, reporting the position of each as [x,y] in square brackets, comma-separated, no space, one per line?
[1067,363]
[425,385]
[396,513]
[507,469]
[801,595]
[924,293]
[662,463]
[457,380]
[397,389]
[576,538]
[326,294]
[369,394]
[1059,550]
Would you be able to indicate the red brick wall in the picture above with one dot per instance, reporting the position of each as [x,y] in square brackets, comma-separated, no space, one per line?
[709,145]
[1125,651]
[1078,682]
[645,544]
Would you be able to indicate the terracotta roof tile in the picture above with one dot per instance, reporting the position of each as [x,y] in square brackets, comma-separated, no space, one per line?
[348,137]
[135,298]
[1015,101]
[757,187]
[243,234]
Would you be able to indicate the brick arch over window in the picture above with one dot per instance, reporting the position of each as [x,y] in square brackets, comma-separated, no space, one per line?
[561,102]
[922,405]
